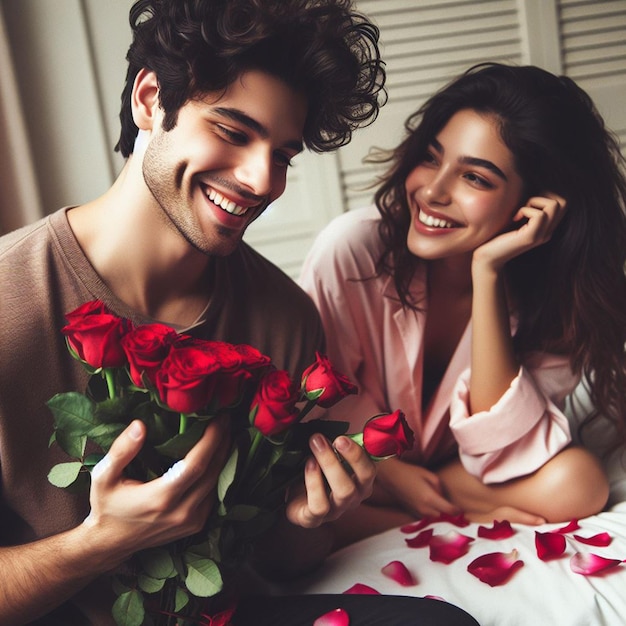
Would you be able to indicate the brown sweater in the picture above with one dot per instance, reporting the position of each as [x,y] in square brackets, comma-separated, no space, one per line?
[43,275]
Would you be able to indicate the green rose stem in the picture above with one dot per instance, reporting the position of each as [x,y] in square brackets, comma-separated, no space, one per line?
[110,378]
[254,446]
[308,406]
[182,424]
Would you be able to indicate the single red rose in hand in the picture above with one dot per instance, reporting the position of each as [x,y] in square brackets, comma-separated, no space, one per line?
[387,435]
[146,348]
[273,407]
[186,379]
[94,335]
[323,383]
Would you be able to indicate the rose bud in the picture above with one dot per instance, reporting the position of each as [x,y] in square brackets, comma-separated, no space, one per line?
[386,435]
[324,384]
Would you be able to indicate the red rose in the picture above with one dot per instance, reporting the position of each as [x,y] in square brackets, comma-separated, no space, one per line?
[146,347]
[387,435]
[252,358]
[321,378]
[273,407]
[186,378]
[94,335]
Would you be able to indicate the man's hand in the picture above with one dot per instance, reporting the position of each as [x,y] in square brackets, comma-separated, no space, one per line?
[128,515]
[329,490]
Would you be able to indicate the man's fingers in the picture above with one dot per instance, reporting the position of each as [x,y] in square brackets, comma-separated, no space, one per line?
[123,450]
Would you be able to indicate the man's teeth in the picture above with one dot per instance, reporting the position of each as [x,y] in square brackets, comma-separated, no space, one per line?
[224,203]
[435,222]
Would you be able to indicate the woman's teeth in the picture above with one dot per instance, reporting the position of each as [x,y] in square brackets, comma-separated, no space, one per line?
[435,222]
[224,203]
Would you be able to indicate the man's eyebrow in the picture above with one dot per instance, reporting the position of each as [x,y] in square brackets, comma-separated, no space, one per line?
[239,116]
[469,160]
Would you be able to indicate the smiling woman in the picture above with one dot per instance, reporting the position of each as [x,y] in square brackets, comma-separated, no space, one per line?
[459,299]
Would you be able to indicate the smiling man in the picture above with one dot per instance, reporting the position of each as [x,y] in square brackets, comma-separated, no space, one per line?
[219,97]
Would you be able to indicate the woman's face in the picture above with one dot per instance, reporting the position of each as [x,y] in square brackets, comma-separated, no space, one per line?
[465,191]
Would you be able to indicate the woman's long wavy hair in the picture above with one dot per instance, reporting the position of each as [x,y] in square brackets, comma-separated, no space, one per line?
[319,47]
[570,293]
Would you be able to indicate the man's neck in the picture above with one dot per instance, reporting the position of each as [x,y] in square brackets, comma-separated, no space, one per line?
[143,260]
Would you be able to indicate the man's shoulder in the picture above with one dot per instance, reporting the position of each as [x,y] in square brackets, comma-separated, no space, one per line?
[24,240]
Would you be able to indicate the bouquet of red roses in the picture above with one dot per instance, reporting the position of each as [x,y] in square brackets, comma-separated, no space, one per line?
[175,384]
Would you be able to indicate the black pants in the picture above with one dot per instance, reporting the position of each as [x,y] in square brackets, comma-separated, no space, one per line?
[364,610]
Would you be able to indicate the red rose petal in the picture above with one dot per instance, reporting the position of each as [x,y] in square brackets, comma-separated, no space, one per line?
[549,545]
[458,520]
[573,525]
[361,589]
[495,568]
[601,539]
[396,570]
[415,526]
[500,530]
[420,540]
[337,617]
[449,547]
[588,564]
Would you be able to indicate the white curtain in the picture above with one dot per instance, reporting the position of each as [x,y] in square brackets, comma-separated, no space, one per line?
[19,196]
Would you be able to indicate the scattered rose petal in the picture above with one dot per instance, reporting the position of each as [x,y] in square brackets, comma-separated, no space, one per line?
[495,568]
[549,545]
[429,597]
[361,589]
[396,570]
[588,564]
[573,525]
[420,540]
[458,520]
[601,539]
[416,526]
[500,530]
[338,617]
[449,547]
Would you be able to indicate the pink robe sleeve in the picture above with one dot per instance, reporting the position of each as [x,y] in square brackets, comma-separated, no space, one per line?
[523,430]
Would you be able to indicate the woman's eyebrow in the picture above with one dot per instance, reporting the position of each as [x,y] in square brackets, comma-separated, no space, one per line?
[469,160]
[243,118]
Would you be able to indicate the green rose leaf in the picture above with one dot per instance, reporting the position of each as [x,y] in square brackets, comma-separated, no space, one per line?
[149,584]
[203,576]
[242,513]
[178,446]
[73,412]
[105,434]
[227,475]
[181,600]
[71,445]
[157,563]
[128,609]
[65,474]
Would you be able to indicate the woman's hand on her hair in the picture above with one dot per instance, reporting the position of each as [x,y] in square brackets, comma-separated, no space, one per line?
[539,219]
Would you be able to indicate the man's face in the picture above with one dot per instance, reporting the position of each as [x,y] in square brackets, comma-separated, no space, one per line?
[226,159]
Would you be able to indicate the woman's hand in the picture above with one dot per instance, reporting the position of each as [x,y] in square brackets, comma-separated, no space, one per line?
[329,490]
[543,215]
[412,488]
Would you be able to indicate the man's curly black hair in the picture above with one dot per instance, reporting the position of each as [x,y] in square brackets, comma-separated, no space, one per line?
[321,48]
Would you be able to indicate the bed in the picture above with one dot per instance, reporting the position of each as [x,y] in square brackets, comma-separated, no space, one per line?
[580,582]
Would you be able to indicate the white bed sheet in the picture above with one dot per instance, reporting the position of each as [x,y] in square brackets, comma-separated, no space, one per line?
[539,593]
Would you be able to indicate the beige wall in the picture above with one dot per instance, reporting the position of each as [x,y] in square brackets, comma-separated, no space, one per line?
[68,61]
